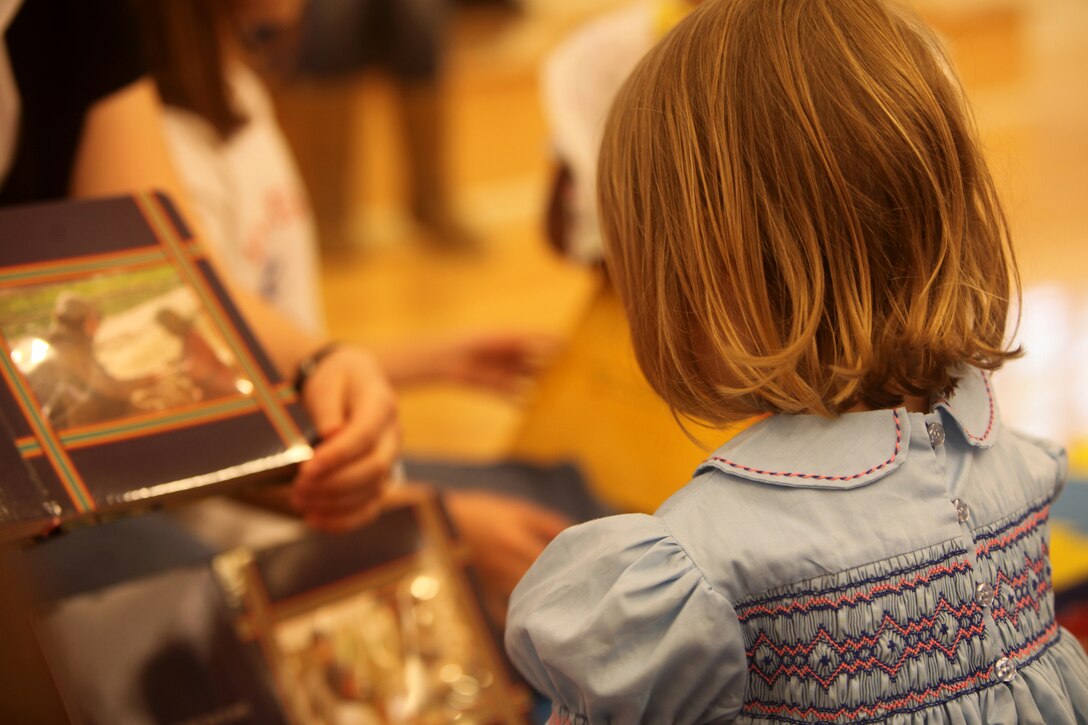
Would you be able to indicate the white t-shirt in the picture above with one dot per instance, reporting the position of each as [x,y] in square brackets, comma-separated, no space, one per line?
[250,200]
[253,208]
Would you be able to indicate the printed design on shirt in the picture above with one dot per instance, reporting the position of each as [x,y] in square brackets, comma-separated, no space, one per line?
[269,245]
[889,637]
[1014,558]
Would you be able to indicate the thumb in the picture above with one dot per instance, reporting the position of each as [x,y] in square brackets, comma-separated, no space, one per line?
[325,399]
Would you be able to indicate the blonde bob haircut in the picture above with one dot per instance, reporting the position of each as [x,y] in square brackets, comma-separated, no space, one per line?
[797,215]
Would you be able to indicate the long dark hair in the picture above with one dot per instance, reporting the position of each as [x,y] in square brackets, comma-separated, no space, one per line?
[183,45]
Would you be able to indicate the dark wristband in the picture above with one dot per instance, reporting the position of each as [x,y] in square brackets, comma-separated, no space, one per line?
[308,366]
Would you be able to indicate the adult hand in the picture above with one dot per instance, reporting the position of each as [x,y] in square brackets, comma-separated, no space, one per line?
[354,410]
[505,534]
[500,362]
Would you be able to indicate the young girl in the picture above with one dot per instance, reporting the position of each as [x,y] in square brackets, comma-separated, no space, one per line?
[801,224]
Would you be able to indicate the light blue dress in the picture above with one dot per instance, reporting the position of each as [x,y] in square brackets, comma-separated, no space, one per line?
[882,567]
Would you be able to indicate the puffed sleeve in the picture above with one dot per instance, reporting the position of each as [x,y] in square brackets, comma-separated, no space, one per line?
[617,625]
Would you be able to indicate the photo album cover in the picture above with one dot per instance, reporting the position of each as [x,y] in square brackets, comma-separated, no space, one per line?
[128,375]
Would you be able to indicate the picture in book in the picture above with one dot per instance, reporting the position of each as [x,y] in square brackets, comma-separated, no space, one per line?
[116,345]
[402,651]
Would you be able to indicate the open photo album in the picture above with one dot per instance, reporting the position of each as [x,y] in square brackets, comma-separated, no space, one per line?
[129,377]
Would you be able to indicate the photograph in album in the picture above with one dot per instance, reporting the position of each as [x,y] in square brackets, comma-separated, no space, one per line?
[382,624]
[400,648]
[116,346]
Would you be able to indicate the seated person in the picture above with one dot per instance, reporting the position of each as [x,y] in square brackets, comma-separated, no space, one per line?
[250,201]
[245,188]
[86,122]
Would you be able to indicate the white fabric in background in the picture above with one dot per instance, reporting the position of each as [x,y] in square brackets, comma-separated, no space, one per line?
[580,79]
[1046,391]
[250,200]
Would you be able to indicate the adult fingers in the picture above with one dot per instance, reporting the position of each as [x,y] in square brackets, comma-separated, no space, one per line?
[325,397]
[372,415]
[359,477]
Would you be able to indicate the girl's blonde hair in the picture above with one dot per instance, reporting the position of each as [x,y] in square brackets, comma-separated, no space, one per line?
[797,215]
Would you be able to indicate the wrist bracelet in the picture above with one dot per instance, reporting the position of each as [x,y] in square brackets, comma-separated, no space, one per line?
[308,366]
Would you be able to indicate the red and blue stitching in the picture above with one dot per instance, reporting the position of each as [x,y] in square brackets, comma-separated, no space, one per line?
[821,477]
[1015,558]
[1036,645]
[877,711]
[794,653]
[913,639]
[913,701]
[1030,589]
[808,601]
[990,425]
[1014,531]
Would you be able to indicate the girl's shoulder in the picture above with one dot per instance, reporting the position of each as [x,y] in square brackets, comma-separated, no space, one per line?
[611,624]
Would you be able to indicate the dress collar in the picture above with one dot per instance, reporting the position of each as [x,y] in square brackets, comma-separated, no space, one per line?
[972,407]
[855,449]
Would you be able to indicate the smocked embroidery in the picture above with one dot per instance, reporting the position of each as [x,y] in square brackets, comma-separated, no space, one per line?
[821,477]
[1036,646]
[907,640]
[1003,535]
[866,590]
[879,710]
[1013,556]
[916,613]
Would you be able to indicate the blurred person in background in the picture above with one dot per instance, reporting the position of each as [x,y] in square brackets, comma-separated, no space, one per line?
[580,78]
[406,39]
[241,178]
[81,118]
[245,189]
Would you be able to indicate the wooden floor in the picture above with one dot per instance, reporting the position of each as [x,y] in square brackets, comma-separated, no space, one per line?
[1023,62]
